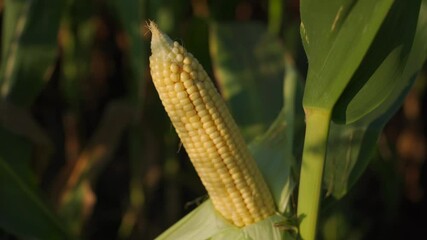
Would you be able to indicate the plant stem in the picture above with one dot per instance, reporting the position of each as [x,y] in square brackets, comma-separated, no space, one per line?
[314,153]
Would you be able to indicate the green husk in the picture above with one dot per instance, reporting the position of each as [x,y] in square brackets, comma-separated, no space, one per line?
[205,223]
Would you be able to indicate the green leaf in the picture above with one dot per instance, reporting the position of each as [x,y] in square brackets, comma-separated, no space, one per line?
[21,210]
[16,151]
[274,151]
[29,42]
[31,48]
[351,145]
[131,14]
[248,65]
[381,70]
[349,150]
[336,36]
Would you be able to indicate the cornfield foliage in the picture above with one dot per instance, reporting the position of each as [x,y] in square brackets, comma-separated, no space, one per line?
[88,152]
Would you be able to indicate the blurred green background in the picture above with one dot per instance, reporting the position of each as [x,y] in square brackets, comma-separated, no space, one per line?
[87,150]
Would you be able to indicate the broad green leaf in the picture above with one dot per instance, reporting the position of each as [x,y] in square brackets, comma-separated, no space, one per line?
[15,150]
[351,145]
[336,35]
[131,14]
[31,49]
[348,146]
[29,42]
[381,69]
[21,210]
[248,65]
[275,150]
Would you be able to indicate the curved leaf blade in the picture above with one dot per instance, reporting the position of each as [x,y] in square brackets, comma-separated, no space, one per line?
[381,70]
[21,210]
[336,36]
[248,65]
[357,140]
[31,48]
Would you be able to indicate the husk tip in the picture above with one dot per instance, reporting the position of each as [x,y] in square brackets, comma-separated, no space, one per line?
[152,26]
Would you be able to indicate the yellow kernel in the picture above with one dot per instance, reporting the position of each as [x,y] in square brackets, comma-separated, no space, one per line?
[198,103]
[203,93]
[174,77]
[204,138]
[166,73]
[219,144]
[175,50]
[187,68]
[194,75]
[166,63]
[187,61]
[204,113]
[169,88]
[174,68]
[185,76]
[222,150]
[204,118]
[208,124]
[189,128]
[194,64]
[185,100]
[194,119]
[179,112]
[179,57]
[167,80]
[194,96]
[223,172]
[175,44]
[181,95]
[178,87]
[188,83]
[209,131]
[197,125]
[209,145]
[188,107]
[248,220]
[201,106]
[228,160]
[191,89]
[155,74]
[191,113]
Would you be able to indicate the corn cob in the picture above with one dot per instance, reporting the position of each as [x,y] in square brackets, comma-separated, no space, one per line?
[208,133]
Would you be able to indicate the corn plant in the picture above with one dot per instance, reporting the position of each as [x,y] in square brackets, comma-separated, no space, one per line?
[270,147]
[348,63]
